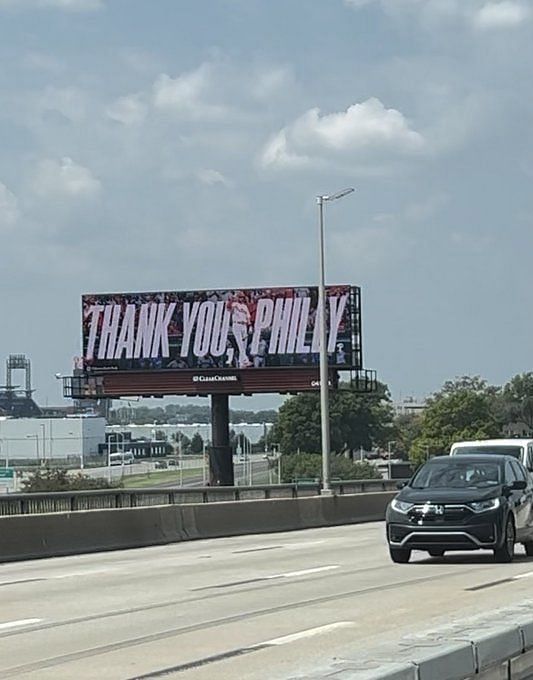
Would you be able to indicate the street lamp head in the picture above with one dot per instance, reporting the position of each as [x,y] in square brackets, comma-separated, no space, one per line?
[339,194]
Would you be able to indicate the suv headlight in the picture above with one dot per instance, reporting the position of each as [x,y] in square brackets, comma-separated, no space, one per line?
[401,506]
[483,506]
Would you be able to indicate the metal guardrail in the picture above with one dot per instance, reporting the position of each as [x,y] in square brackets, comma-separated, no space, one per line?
[72,501]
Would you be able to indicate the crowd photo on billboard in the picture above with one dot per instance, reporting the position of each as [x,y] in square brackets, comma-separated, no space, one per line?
[218,329]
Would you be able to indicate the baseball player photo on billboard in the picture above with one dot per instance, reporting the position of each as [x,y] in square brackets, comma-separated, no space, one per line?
[244,329]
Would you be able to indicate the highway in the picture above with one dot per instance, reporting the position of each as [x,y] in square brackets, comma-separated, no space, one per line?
[242,471]
[287,605]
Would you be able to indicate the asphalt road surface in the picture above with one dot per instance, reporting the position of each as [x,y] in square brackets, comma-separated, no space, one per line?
[265,606]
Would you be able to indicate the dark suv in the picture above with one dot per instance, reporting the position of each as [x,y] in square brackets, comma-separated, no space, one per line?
[463,503]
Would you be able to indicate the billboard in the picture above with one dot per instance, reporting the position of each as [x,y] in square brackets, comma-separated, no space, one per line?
[220,330]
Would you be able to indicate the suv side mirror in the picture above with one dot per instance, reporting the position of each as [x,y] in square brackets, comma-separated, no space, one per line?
[518,485]
[401,485]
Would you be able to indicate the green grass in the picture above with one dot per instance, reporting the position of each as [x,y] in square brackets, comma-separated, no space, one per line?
[158,477]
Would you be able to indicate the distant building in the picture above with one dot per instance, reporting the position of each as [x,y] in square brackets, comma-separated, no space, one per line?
[17,402]
[409,406]
[32,441]
[123,442]
[252,431]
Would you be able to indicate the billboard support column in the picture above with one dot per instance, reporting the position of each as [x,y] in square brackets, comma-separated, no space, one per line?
[220,455]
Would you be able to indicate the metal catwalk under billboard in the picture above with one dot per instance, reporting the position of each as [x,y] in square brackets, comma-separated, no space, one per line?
[257,328]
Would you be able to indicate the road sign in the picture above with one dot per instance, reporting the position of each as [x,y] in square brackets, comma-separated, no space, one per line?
[7,473]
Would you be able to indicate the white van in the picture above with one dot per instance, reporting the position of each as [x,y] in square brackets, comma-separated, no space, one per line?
[518,448]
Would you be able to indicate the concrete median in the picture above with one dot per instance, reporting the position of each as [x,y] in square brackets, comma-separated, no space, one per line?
[55,534]
[498,646]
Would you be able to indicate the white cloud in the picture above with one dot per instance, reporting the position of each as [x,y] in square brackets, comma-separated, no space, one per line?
[9,211]
[186,94]
[277,153]
[68,5]
[130,110]
[481,14]
[505,14]
[64,178]
[366,127]
[210,177]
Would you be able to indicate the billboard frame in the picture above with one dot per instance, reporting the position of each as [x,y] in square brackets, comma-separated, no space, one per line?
[298,326]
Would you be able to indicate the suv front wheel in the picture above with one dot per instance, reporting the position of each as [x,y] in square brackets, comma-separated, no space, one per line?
[400,555]
[505,552]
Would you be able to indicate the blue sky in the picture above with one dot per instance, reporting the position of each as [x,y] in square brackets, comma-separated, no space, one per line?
[179,144]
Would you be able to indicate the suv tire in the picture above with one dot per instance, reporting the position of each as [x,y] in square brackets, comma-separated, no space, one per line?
[505,553]
[529,548]
[400,555]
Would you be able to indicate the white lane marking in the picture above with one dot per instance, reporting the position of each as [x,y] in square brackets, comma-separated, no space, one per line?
[84,572]
[303,572]
[302,544]
[272,577]
[526,574]
[310,632]
[18,624]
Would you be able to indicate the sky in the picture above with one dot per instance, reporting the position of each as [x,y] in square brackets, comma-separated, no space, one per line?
[181,144]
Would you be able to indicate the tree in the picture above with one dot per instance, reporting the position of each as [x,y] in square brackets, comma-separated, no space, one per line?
[356,420]
[242,443]
[407,427]
[514,404]
[309,466]
[197,443]
[183,443]
[58,479]
[463,409]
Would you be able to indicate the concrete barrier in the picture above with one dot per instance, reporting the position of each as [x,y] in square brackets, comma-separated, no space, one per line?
[479,649]
[49,535]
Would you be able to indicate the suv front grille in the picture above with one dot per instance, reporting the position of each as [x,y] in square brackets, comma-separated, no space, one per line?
[435,513]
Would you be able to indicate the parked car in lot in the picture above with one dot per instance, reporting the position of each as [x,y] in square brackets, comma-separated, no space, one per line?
[481,501]
[161,465]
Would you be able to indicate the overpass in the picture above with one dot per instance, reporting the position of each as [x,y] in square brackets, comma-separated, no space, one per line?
[316,603]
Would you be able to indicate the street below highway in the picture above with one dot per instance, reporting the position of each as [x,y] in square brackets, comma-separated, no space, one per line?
[262,606]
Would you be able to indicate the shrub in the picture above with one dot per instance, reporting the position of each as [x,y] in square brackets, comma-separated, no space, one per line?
[309,465]
[58,479]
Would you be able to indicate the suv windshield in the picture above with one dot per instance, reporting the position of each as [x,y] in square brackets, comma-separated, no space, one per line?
[457,475]
[514,451]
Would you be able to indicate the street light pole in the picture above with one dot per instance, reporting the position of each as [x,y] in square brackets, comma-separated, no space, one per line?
[389,451]
[43,431]
[324,369]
